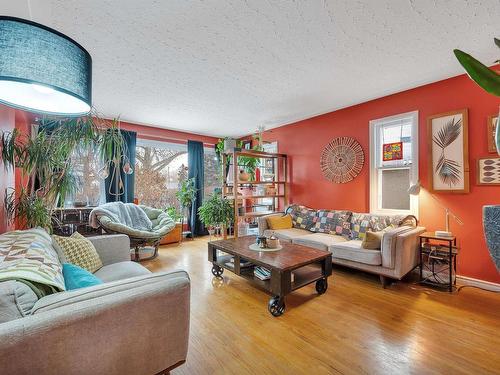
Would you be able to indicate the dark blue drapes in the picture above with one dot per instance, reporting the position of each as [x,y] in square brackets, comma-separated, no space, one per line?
[110,184]
[196,170]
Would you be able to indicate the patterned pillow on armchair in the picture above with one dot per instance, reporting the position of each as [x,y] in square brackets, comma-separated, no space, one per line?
[302,217]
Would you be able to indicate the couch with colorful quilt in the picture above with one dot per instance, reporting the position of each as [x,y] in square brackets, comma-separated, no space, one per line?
[75,305]
[386,245]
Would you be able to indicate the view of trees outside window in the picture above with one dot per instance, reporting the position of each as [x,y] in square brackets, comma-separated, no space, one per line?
[86,164]
[159,168]
[212,172]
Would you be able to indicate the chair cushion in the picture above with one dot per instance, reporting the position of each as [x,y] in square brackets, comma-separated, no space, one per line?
[319,241]
[351,250]
[279,222]
[286,234]
[121,270]
[78,250]
[76,277]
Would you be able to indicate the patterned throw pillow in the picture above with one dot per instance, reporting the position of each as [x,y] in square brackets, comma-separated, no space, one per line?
[79,251]
[302,217]
[333,222]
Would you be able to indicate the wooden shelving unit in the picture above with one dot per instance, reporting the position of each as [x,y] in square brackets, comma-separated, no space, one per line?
[272,164]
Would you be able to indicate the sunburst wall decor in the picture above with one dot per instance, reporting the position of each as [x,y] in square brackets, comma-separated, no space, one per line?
[342,160]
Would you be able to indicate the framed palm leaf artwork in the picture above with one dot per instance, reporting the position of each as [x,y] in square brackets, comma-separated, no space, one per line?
[449,152]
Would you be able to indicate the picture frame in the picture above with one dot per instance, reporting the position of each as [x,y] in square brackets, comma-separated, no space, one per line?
[246,144]
[488,171]
[491,127]
[448,143]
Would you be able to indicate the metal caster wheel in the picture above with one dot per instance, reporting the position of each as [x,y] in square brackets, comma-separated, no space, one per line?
[217,270]
[276,306]
[321,286]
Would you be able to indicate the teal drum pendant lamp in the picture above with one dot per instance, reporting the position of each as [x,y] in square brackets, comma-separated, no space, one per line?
[42,70]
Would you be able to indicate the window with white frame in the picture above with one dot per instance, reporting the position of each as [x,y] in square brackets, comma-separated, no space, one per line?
[394,163]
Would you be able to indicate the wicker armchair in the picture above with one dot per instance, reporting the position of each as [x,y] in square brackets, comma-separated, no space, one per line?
[162,224]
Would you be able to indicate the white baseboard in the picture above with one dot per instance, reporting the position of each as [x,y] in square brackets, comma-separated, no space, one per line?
[464,280]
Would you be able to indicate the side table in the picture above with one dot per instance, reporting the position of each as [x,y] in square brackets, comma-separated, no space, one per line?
[438,251]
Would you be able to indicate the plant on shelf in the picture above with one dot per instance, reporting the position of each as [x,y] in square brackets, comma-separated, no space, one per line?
[216,213]
[44,162]
[186,194]
[250,163]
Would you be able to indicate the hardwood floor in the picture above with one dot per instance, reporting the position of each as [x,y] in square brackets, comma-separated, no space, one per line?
[357,327]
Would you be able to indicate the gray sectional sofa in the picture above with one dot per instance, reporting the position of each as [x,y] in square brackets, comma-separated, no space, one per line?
[136,322]
[341,233]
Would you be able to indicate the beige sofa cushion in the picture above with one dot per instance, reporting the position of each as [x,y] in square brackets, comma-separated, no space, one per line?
[352,250]
[121,270]
[319,241]
[286,234]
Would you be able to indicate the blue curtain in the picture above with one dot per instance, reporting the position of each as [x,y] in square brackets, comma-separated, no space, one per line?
[110,184]
[196,169]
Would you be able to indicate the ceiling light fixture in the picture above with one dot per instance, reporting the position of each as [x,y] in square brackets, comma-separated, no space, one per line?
[42,70]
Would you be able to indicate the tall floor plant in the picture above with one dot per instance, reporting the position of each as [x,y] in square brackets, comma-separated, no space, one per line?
[44,160]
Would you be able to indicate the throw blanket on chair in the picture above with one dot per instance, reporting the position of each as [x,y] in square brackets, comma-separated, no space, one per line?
[28,256]
[128,214]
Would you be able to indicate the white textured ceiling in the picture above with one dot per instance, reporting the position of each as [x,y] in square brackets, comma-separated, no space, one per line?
[225,67]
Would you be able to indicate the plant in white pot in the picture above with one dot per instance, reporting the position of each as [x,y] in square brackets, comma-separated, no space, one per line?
[489,80]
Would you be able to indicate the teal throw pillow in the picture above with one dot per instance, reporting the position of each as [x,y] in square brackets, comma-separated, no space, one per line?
[76,277]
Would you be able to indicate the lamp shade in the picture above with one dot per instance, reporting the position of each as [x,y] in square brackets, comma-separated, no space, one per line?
[42,70]
[414,189]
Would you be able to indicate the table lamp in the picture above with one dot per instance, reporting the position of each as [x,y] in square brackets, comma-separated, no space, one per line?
[415,190]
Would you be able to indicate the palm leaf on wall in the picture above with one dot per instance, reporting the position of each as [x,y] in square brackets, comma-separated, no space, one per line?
[448,170]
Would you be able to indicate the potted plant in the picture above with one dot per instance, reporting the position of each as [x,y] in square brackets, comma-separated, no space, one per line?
[186,196]
[216,213]
[488,80]
[44,162]
[175,236]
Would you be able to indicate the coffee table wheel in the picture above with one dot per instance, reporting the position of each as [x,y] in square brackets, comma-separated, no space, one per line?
[276,306]
[321,286]
[217,270]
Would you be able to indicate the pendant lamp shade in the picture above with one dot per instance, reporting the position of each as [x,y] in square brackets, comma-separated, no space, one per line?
[42,70]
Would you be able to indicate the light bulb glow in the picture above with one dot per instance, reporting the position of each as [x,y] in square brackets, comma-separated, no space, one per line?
[40,98]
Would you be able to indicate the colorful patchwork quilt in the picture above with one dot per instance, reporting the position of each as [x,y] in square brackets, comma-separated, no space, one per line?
[362,223]
[333,222]
[302,217]
[29,255]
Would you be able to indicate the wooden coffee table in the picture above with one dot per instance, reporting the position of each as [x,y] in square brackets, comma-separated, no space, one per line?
[307,265]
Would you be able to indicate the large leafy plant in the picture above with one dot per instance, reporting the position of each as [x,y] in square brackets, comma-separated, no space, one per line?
[44,162]
[485,77]
[216,211]
[187,192]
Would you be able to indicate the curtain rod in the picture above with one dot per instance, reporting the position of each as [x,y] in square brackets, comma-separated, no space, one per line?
[160,138]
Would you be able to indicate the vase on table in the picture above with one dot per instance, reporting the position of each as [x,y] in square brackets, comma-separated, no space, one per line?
[491,225]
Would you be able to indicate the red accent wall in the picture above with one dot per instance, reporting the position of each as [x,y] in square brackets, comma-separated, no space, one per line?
[303,142]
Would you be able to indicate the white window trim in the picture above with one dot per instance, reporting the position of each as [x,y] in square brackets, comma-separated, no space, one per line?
[374,124]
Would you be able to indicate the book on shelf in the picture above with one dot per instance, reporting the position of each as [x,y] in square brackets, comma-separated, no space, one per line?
[243,263]
[262,273]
